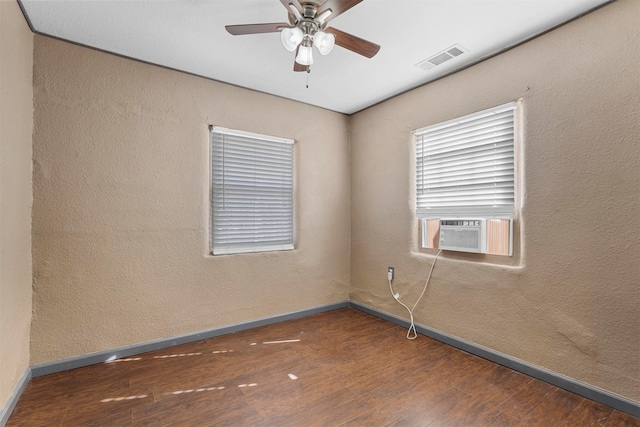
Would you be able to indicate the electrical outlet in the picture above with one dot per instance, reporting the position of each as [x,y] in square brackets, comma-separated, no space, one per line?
[390,273]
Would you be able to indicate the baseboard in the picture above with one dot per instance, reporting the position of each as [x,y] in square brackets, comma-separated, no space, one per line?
[5,412]
[590,392]
[103,356]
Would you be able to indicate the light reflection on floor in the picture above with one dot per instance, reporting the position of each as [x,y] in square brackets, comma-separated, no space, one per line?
[129,359]
[114,358]
[198,390]
[194,390]
[120,399]
[178,392]
[276,342]
[176,355]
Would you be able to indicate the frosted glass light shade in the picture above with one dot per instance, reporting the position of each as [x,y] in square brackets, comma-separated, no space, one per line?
[324,42]
[305,55]
[291,38]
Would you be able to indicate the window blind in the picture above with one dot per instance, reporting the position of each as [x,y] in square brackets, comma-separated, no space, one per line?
[465,166]
[252,192]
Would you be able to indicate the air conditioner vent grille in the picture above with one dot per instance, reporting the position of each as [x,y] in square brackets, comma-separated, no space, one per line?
[441,57]
[455,51]
[465,235]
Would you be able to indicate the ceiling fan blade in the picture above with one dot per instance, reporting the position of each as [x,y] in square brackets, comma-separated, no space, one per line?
[286,4]
[337,7]
[295,4]
[354,44]
[239,30]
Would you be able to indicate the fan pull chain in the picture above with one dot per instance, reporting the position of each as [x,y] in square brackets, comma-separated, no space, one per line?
[308,72]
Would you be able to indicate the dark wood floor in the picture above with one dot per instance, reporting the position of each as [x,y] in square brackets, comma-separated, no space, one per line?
[338,368]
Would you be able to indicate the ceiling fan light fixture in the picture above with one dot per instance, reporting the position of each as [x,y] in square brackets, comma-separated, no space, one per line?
[305,55]
[291,38]
[324,42]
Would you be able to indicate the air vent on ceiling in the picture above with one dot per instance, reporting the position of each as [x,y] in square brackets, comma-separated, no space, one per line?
[441,57]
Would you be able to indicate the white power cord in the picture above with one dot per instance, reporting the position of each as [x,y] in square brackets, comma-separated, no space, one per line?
[411,333]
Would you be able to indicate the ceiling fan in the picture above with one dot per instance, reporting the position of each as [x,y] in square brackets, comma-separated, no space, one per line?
[307,27]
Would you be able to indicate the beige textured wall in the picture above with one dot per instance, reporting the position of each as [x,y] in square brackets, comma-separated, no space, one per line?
[571,304]
[16,124]
[121,205]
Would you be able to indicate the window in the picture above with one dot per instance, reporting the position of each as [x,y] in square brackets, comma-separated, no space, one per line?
[251,192]
[465,168]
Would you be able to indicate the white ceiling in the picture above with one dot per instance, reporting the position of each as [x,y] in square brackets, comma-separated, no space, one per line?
[189,35]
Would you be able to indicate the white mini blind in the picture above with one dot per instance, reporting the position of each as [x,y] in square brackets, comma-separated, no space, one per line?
[252,192]
[465,166]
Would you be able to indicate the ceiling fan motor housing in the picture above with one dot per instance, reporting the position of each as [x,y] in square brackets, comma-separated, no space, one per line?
[309,10]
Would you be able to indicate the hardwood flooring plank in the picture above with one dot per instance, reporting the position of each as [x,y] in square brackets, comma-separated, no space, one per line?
[504,388]
[504,420]
[588,414]
[331,409]
[86,417]
[618,419]
[36,416]
[432,412]
[170,402]
[472,411]
[336,368]
[196,414]
[380,416]
[554,410]
[526,398]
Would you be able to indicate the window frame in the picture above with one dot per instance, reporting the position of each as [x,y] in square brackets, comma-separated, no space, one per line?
[286,241]
[501,221]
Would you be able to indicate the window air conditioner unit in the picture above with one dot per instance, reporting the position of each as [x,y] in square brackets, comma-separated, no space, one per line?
[463,234]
